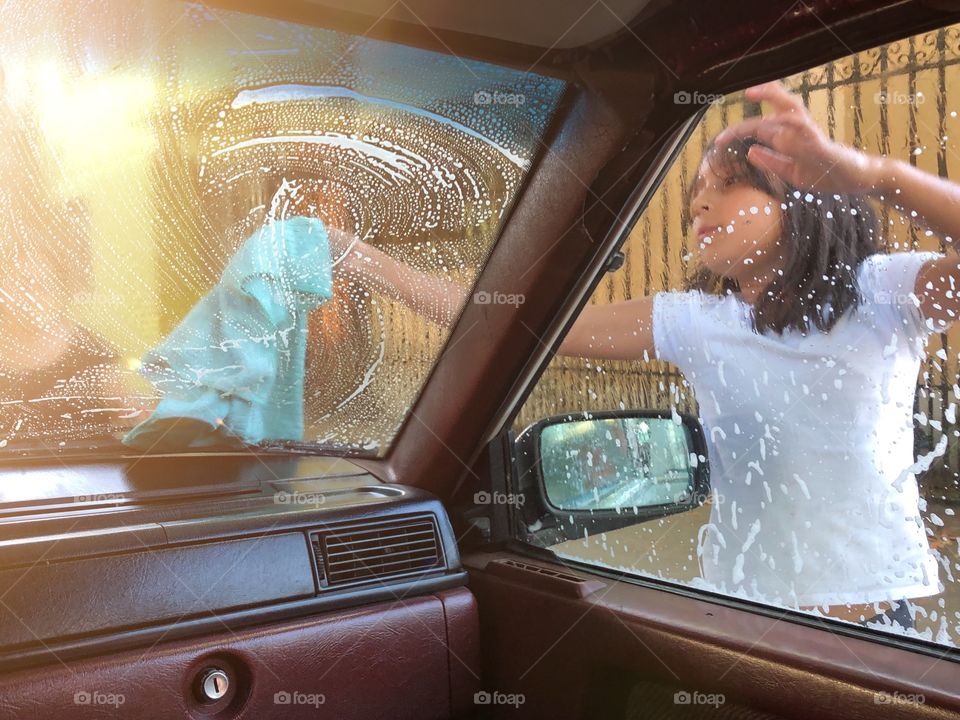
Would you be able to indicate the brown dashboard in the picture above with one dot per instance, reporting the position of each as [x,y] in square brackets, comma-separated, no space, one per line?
[181,577]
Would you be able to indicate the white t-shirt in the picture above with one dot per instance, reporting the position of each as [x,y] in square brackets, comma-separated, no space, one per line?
[810,442]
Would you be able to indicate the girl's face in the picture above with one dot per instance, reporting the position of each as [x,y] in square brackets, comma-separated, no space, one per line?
[737,226]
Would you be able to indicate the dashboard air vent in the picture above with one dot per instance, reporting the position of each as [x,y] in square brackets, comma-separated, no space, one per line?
[377,550]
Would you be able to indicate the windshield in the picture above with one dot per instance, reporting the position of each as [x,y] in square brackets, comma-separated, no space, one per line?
[184,196]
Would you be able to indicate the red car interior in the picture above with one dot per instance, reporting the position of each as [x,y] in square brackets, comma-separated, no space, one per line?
[392,595]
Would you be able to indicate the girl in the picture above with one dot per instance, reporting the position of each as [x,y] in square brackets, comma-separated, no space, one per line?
[802,341]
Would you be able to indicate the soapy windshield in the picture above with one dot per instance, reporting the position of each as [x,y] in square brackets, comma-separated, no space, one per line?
[174,187]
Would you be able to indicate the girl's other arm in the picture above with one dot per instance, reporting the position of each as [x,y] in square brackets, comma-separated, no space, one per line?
[432,297]
[619,331]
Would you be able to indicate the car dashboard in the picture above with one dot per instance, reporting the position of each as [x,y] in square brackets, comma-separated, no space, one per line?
[209,570]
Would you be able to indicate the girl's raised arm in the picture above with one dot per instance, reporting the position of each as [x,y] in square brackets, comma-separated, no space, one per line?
[799,151]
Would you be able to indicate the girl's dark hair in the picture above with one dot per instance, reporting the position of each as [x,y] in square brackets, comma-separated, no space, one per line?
[824,238]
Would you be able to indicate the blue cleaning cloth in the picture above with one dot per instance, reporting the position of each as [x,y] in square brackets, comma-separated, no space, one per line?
[232,371]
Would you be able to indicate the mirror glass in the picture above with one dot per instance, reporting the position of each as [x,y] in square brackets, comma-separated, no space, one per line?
[610,463]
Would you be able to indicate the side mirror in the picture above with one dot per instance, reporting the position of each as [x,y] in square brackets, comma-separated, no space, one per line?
[591,472]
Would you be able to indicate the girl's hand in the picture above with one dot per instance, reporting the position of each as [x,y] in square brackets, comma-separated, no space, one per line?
[797,149]
[344,246]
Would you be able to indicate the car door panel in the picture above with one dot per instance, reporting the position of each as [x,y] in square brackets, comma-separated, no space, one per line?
[625,643]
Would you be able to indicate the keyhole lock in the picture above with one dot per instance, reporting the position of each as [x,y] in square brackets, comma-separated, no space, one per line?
[214,684]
